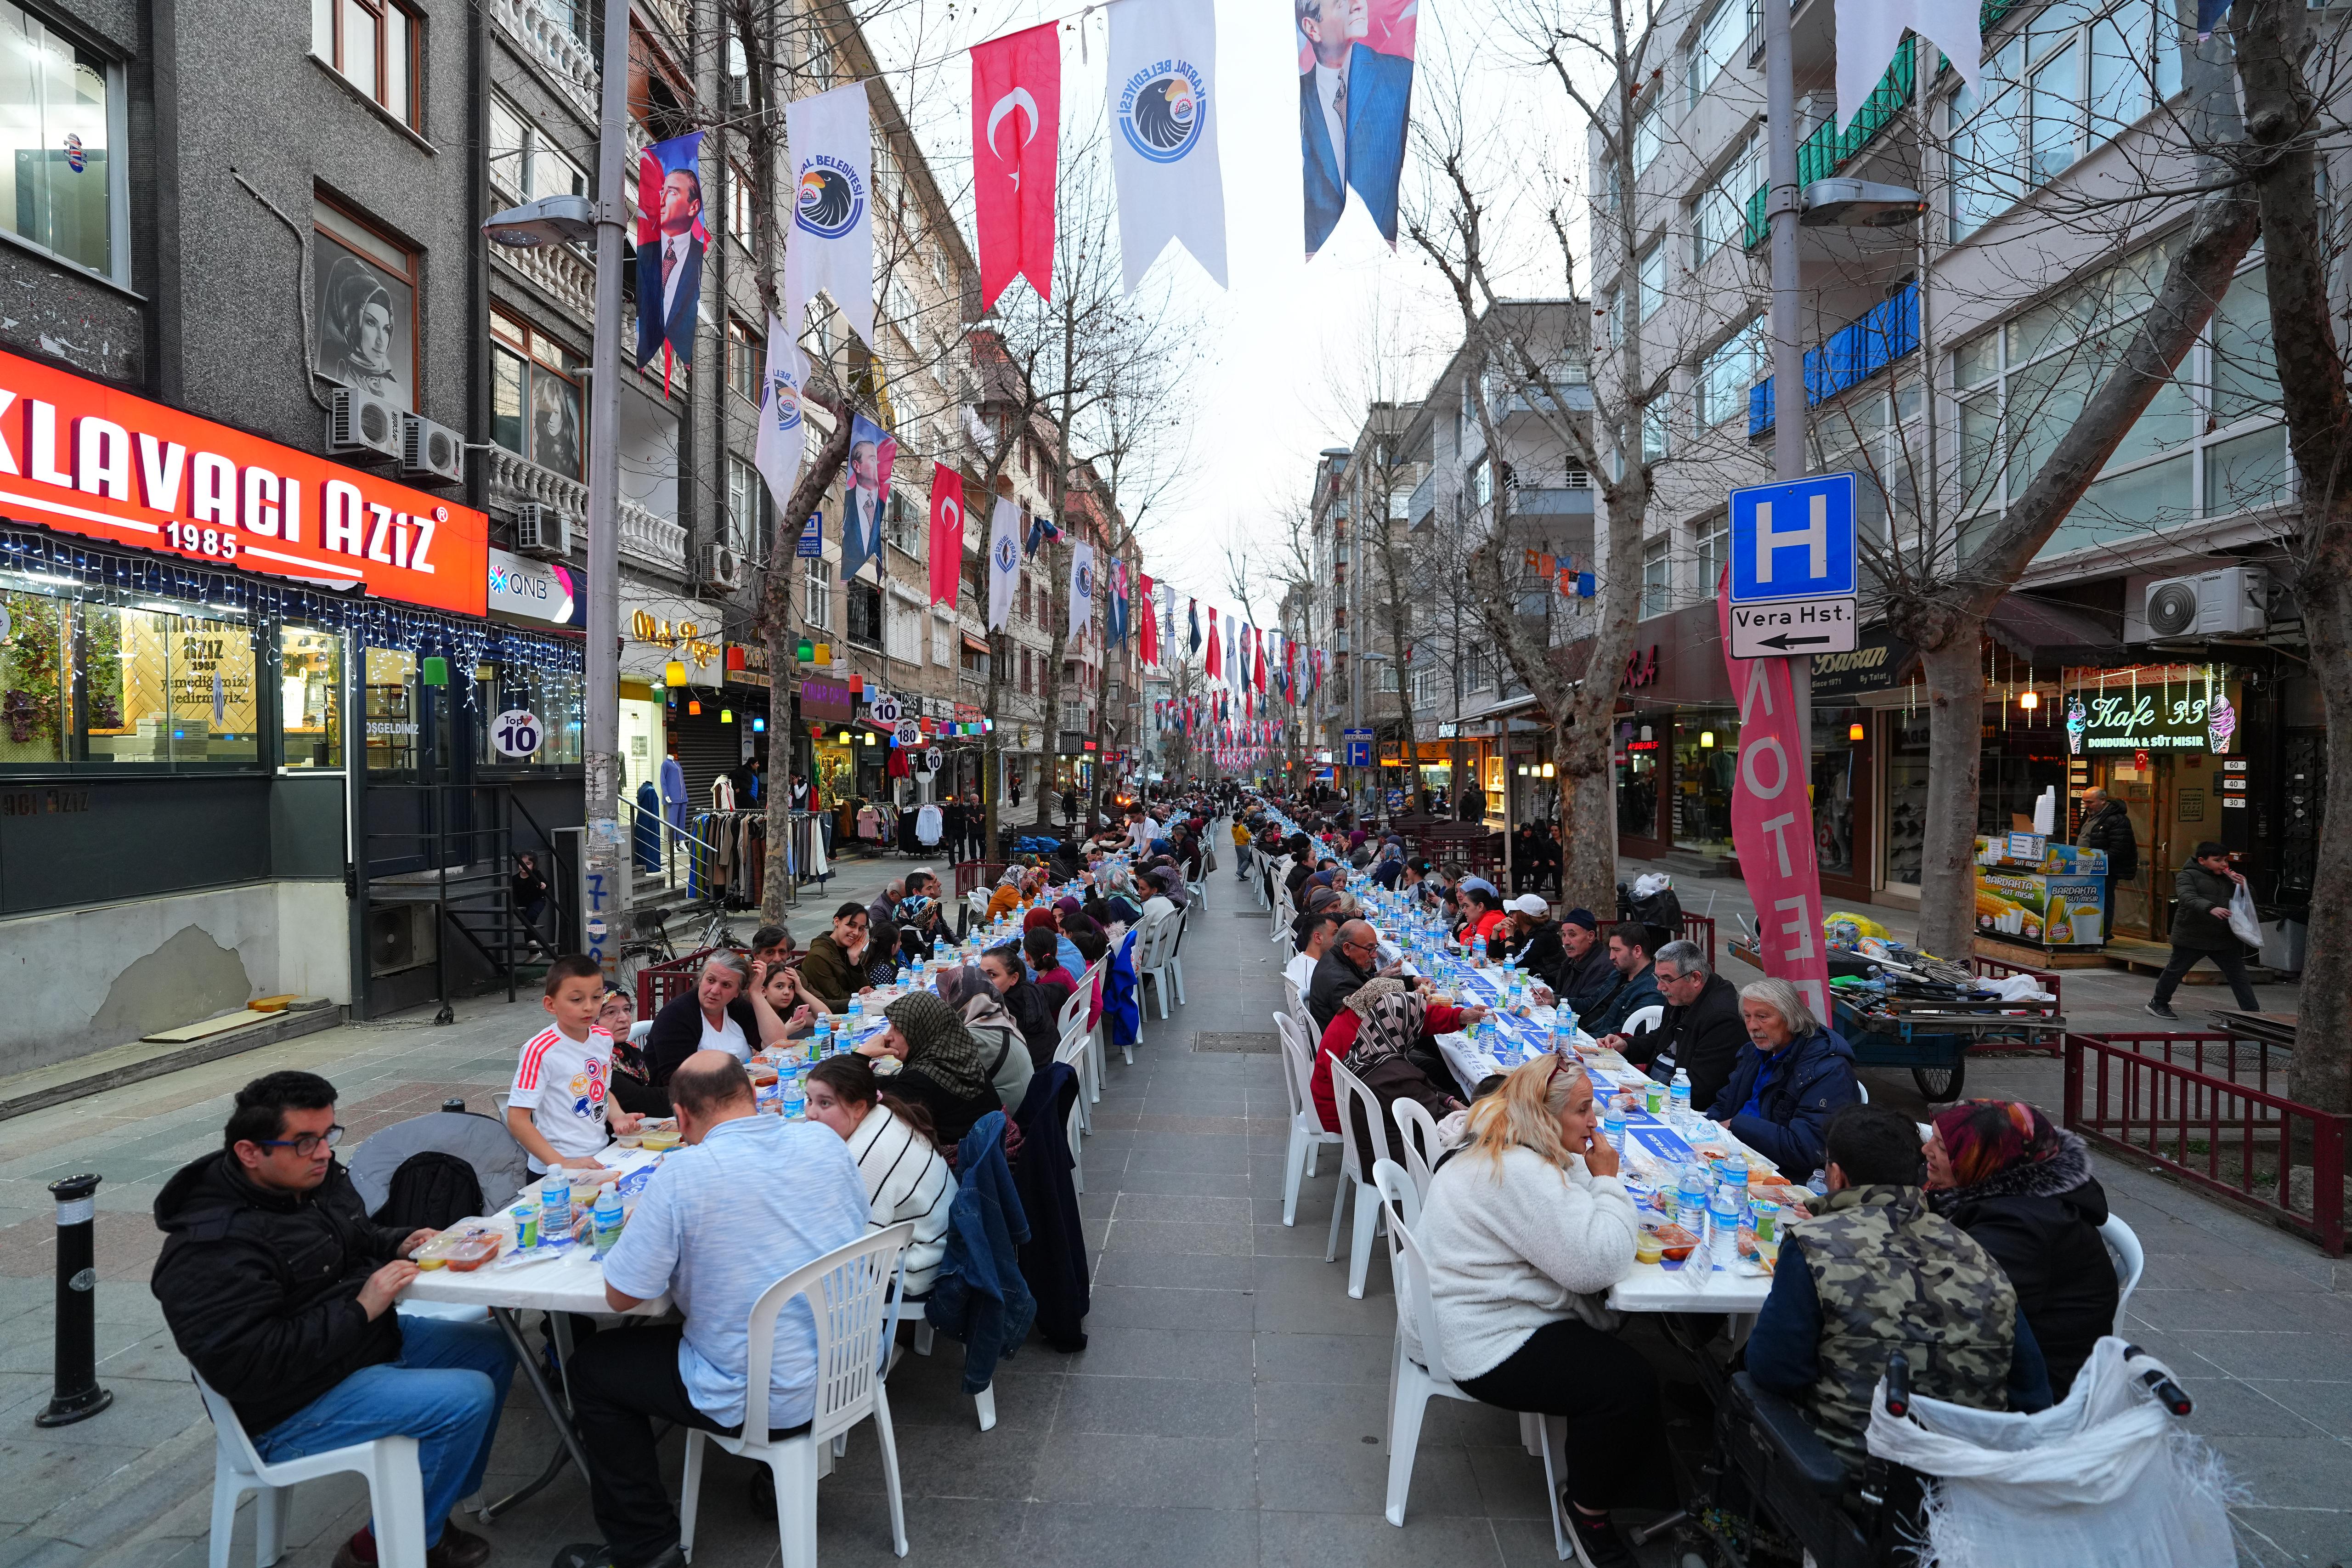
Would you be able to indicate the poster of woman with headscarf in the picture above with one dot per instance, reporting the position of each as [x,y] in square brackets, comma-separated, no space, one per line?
[364,314]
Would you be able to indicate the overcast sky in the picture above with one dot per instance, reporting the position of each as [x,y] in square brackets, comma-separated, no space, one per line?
[1294,348]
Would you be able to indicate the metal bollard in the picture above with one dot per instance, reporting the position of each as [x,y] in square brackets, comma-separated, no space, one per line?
[454,1105]
[78,1396]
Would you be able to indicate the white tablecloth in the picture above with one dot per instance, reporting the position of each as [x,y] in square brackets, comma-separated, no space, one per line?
[569,1281]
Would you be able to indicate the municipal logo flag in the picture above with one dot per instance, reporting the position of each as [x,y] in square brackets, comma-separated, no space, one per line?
[1003,559]
[867,490]
[1016,127]
[1163,134]
[1082,588]
[947,533]
[783,438]
[831,245]
[1869,30]
[671,239]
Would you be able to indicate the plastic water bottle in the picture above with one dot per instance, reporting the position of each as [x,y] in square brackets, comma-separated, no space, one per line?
[605,1219]
[1690,1201]
[1818,1184]
[1723,1227]
[1613,1128]
[554,1207]
[793,1081]
[1678,1094]
[1563,1029]
[821,1042]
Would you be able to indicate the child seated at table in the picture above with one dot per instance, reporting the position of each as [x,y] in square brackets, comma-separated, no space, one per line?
[558,1107]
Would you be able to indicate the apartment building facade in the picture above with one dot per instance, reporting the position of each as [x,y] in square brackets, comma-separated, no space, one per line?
[1944,358]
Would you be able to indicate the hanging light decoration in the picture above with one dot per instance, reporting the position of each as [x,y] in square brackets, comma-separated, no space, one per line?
[674,673]
[844,737]
[726,715]
[734,656]
[806,652]
[1853,732]
[694,706]
[759,726]
[825,653]
[1706,739]
[2029,700]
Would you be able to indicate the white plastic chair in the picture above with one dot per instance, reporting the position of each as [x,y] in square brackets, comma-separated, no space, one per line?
[1862,1088]
[1173,961]
[1096,979]
[1292,995]
[1070,1026]
[1349,1094]
[849,1292]
[1072,1052]
[1151,964]
[1411,1382]
[1642,1018]
[1199,891]
[395,1489]
[1308,1133]
[1417,1131]
[2123,1252]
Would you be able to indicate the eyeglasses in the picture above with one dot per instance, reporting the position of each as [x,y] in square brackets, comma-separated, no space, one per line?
[306,1145]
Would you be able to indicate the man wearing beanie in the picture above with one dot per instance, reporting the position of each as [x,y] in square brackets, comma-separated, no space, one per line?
[1586,975]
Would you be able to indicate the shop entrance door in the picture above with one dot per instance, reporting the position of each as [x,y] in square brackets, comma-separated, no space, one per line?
[418,812]
[2138,910]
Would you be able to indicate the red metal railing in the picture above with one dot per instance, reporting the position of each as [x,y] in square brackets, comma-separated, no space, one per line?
[1994,969]
[1700,929]
[972,874]
[2201,1106]
[658,985]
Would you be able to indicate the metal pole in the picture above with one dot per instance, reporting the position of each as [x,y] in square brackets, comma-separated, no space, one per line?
[1781,208]
[76,1396]
[606,867]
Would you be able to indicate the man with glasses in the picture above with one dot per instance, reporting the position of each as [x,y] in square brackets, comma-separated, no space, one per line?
[1353,958]
[278,1290]
[1702,1031]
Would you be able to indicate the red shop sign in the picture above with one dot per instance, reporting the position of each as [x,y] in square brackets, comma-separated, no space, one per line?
[79,455]
[1640,671]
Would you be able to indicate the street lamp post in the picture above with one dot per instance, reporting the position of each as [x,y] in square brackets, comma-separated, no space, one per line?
[604,882]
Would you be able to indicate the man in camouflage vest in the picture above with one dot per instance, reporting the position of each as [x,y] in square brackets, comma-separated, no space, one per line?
[1877,1271]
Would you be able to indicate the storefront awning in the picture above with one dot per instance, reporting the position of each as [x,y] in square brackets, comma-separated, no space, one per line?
[1519,704]
[2043,633]
[977,645]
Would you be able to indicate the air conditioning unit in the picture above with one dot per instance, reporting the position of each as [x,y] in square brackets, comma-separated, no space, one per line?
[400,936]
[723,567]
[543,531]
[2211,603]
[361,422]
[426,448]
[738,91]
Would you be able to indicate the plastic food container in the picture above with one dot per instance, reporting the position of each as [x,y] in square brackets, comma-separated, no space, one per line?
[657,1139]
[462,1248]
[1647,1247]
[1675,1243]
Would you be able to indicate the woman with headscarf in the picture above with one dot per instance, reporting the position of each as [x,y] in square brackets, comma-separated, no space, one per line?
[1049,917]
[969,992]
[920,928]
[1161,905]
[1007,896]
[1387,1033]
[946,1070]
[2023,1190]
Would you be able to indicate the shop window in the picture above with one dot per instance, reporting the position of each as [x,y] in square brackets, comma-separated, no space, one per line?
[535,396]
[309,697]
[364,301]
[36,680]
[1839,764]
[164,687]
[58,103]
[552,697]
[1906,796]
[394,710]
[1707,749]
[1637,782]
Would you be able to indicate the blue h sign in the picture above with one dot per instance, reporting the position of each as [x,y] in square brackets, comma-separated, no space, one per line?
[1793,540]
[1356,748]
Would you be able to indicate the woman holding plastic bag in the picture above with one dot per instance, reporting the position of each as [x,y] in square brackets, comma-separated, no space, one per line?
[2212,899]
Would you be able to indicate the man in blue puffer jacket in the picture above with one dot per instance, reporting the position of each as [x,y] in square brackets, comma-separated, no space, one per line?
[1793,1074]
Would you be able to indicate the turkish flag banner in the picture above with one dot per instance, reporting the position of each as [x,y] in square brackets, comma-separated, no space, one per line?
[1147,630]
[1016,129]
[947,533]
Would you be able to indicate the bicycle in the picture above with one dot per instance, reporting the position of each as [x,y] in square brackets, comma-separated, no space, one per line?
[649,946]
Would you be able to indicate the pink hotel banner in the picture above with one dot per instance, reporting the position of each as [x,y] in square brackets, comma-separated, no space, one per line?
[1772,819]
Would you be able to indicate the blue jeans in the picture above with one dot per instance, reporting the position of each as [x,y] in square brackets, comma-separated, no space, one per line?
[445,1391]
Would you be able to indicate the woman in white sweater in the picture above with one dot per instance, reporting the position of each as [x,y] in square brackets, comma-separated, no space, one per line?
[905,1176]
[1524,1228]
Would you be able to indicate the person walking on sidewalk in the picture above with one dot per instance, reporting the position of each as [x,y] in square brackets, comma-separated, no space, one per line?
[2201,929]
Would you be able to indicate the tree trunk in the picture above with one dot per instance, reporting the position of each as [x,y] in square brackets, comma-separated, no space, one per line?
[1955,693]
[776,618]
[2321,1072]
[1588,825]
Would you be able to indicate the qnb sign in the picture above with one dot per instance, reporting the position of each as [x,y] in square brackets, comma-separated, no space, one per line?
[80,456]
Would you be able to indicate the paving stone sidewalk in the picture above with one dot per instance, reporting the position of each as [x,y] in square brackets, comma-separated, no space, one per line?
[1227,1410]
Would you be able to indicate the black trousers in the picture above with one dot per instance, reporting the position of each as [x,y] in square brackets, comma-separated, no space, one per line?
[622,1383]
[2229,961]
[1617,1454]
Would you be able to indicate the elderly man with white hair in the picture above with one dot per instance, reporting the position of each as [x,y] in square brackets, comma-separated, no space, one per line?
[1793,1074]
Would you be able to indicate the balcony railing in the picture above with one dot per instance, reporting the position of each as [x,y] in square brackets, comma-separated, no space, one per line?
[1828,150]
[1854,353]
[548,40]
[655,541]
[562,272]
[1424,500]
[1528,501]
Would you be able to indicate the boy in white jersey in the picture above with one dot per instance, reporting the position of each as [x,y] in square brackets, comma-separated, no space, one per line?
[557,1107]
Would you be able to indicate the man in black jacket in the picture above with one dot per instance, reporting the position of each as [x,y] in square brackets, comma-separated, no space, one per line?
[2201,929]
[1702,1031]
[1354,959]
[1586,975]
[279,1290]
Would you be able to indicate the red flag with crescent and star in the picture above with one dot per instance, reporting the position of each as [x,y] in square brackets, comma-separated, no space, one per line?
[947,533]
[1147,629]
[1216,663]
[1016,129]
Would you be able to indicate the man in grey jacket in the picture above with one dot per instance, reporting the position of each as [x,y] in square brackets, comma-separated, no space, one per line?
[2201,929]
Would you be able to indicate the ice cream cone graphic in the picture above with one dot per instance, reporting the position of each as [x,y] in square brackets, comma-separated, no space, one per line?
[2221,723]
